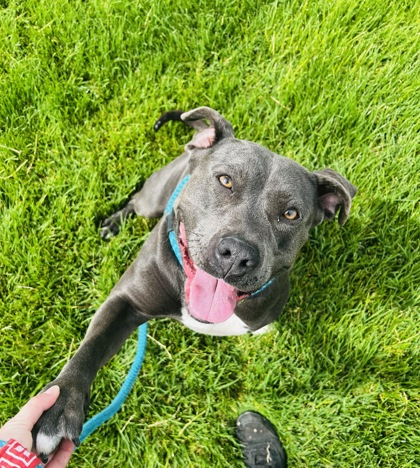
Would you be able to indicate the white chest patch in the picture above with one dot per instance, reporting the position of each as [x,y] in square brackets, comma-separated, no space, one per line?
[233,326]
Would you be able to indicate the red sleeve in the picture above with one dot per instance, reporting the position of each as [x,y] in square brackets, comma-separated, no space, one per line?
[14,455]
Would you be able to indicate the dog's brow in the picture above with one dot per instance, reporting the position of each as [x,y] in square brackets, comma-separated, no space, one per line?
[249,171]
[235,170]
[227,165]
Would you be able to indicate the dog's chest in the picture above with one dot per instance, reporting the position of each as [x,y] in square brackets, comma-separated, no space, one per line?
[234,326]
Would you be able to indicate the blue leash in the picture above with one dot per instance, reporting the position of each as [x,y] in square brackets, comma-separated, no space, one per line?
[125,389]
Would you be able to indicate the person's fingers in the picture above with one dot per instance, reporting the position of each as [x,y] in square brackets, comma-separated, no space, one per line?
[63,454]
[32,411]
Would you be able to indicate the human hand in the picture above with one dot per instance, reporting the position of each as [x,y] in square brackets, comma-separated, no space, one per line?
[20,426]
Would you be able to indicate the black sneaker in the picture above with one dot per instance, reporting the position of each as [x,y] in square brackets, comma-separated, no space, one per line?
[260,443]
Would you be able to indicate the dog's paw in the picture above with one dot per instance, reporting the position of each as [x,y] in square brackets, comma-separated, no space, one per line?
[64,420]
[110,227]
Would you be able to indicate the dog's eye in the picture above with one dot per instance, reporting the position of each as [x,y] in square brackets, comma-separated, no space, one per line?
[291,214]
[226,181]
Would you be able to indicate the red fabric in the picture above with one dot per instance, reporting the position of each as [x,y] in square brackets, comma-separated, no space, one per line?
[14,455]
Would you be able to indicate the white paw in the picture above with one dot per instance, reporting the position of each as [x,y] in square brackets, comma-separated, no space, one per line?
[46,444]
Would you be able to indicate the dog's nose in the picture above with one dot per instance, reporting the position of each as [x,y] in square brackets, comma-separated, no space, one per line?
[236,257]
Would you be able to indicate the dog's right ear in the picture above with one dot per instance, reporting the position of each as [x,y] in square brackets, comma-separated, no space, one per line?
[334,194]
[208,136]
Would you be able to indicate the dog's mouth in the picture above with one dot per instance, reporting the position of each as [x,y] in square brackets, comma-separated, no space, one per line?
[208,299]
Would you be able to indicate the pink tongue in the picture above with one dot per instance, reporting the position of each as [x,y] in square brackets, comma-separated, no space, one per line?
[210,299]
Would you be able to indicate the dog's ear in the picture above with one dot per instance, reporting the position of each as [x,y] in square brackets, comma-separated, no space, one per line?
[207,136]
[334,193]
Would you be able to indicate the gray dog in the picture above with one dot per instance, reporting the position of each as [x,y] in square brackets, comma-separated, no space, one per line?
[219,259]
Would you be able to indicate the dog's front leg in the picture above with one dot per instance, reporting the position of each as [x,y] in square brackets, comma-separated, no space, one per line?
[114,321]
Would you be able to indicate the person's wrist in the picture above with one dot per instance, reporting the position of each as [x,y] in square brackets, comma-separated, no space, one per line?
[14,454]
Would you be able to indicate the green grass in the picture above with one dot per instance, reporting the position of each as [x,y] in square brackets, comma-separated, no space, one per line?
[328,83]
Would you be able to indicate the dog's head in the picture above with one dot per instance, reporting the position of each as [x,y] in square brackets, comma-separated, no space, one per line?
[244,215]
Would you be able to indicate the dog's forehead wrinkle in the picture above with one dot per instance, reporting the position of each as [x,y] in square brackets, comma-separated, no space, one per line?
[242,152]
[290,182]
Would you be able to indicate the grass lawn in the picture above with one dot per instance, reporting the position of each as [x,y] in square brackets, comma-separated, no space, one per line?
[327,83]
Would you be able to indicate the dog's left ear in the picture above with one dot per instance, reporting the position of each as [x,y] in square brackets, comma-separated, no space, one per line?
[207,136]
[334,193]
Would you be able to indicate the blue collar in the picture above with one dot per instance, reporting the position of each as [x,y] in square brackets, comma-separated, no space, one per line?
[169,214]
[171,234]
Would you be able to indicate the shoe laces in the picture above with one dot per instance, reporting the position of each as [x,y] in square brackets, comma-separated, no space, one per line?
[269,459]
